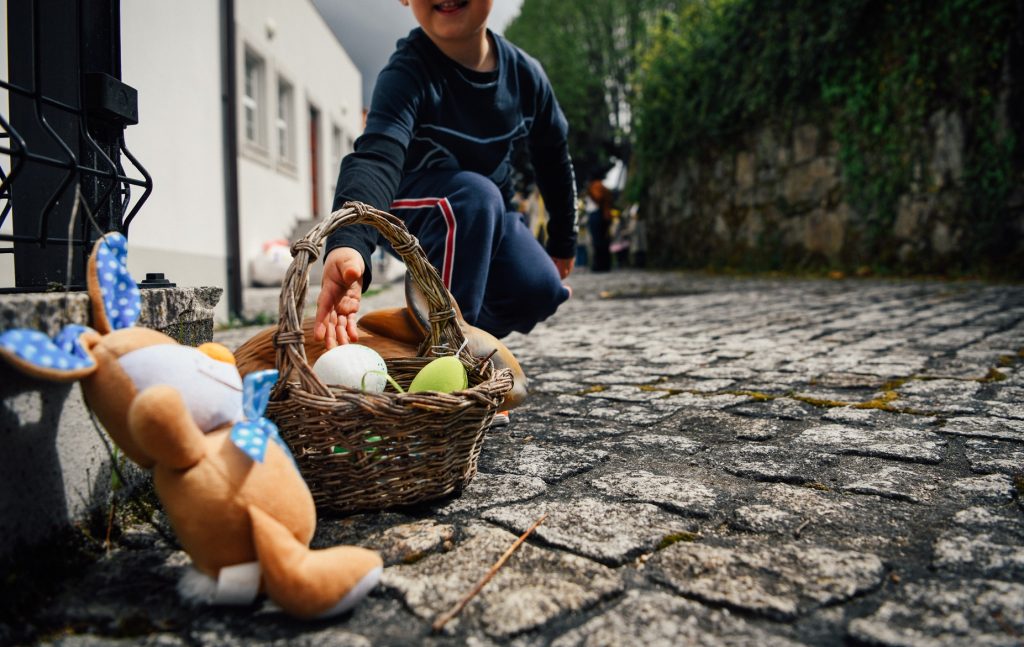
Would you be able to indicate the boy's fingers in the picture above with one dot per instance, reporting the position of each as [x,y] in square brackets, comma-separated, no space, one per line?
[330,336]
[353,334]
[325,305]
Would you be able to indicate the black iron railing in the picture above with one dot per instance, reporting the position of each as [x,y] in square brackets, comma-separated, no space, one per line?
[62,177]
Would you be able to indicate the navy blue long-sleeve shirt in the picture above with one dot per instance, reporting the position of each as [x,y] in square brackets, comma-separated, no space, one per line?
[429,112]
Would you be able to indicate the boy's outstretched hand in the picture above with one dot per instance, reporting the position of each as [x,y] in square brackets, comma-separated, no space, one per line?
[340,292]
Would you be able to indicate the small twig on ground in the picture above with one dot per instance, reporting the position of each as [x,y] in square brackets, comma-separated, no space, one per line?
[800,528]
[443,619]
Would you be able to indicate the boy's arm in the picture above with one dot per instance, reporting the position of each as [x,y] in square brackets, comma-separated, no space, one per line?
[369,174]
[557,184]
[549,154]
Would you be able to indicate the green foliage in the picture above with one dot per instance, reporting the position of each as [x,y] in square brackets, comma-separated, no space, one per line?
[876,70]
[588,50]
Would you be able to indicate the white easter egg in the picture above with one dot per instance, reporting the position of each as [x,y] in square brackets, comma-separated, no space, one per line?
[346,365]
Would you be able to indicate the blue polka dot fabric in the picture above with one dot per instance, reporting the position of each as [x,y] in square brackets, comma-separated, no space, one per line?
[64,354]
[120,294]
[256,389]
[253,434]
[69,340]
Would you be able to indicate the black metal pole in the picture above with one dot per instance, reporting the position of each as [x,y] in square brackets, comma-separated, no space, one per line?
[43,59]
[229,106]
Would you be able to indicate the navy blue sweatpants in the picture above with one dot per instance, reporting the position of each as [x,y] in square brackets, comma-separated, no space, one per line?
[499,274]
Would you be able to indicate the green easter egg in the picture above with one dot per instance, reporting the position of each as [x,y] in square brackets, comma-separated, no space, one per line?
[444,374]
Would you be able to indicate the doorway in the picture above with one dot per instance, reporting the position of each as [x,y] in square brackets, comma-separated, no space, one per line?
[314,160]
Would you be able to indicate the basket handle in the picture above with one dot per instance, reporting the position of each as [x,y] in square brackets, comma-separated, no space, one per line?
[291,351]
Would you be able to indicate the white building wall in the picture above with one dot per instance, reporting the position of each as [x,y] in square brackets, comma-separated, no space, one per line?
[170,53]
[295,44]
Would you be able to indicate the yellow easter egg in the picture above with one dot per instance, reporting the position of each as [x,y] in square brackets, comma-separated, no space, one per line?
[445,374]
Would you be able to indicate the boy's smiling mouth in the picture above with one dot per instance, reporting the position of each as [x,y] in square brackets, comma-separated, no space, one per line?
[450,6]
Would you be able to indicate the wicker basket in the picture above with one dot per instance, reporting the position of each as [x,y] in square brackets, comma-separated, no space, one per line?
[369,451]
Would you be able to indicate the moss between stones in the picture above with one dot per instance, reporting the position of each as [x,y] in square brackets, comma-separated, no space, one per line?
[650,388]
[677,537]
[993,375]
[815,485]
[757,395]
[881,402]
[820,402]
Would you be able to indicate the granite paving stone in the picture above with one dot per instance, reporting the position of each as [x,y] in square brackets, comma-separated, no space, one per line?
[890,481]
[723,460]
[764,518]
[983,519]
[980,554]
[657,619]
[869,417]
[611,533]
[990,456]
[950,397]
[551,463]
[900,444]
[540,584]
[778,581]
[777,409]
[776,463]
[996,489]
[686,496]
[1013,410]
[985,427]
[646,441]
[410,542]
[947,614]
[698,421]
[585,432]
[825,515]
[487,490]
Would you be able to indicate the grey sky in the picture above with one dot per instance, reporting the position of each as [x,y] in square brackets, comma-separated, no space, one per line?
[368,30]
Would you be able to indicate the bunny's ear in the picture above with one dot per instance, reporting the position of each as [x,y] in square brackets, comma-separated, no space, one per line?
[114,295]
[63,359]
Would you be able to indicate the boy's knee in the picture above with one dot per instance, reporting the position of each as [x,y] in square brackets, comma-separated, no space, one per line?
[480,190]
[537,302]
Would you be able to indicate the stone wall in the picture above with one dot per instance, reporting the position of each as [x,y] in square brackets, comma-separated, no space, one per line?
[777,199]
[55,463]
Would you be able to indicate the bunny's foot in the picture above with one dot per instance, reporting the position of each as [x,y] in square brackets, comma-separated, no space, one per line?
[311,583]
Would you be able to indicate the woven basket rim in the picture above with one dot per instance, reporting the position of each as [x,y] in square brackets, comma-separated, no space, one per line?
[437,435]
[444,336]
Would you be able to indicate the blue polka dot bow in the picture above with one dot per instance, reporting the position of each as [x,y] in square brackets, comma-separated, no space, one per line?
[255,432]
[64,358]
[121,300]
[63,354]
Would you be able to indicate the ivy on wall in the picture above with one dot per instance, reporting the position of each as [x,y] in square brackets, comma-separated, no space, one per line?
[875,71]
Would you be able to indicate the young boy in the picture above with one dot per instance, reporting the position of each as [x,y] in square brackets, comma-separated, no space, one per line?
[446,112]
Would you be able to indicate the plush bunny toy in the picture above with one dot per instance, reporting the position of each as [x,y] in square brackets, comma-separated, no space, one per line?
[225,478]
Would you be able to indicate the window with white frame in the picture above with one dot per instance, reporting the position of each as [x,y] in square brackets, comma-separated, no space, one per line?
[284,125]
[253,98]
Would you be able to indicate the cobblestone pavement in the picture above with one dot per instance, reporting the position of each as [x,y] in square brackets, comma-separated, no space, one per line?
[723,461]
